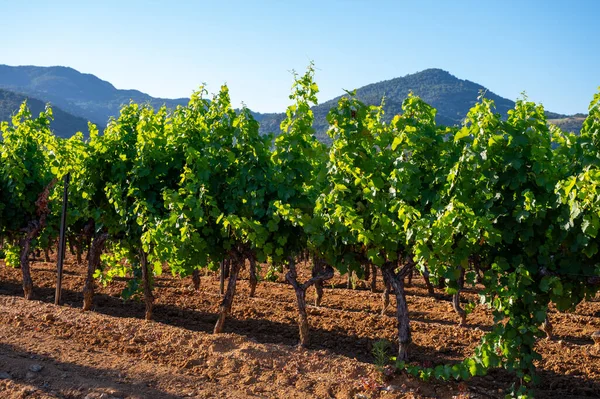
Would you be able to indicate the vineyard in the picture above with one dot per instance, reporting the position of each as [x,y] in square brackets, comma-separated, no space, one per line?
[447,258]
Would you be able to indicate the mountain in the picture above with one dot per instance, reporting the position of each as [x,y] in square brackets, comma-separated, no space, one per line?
[87,96]
[63,125]
[80,94]
[572,123]
[451,96]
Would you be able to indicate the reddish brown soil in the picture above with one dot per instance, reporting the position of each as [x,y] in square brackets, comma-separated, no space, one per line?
[113,353]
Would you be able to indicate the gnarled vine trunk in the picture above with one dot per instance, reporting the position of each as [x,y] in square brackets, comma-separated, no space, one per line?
[227,269]
[70,240]
[31,232]
[148,297]
[428,284]
[79,252]
[25,243]
[441,283]
[225,308]
[317,269]
[196,279]
[349,280]
[373,278]
[88,234]
[253,278]
[409,278]
[302,316]
[547,328]
[385,295]
[223,275]
[96,248]
[456,299]
[396,280]
[366,272]
[300,290]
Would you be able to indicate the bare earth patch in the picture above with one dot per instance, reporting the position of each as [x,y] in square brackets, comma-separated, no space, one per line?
[112,352]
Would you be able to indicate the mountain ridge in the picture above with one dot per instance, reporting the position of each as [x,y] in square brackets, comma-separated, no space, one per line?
[80,94]
[85,95]
[452,97]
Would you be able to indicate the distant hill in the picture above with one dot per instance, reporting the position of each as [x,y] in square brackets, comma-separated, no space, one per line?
[63,125]
[571,123]
[452,97]
[87,96]
[80,94]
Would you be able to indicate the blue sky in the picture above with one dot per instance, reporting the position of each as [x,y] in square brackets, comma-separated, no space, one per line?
[550,49]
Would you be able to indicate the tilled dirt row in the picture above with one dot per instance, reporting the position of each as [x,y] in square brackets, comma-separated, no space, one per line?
[257,356]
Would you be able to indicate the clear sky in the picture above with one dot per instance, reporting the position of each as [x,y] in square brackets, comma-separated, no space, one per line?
[550,49]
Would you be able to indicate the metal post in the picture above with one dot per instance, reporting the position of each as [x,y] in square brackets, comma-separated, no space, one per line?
[61,241]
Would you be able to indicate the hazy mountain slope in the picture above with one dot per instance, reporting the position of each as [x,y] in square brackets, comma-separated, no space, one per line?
[571,123]
[83,95]
[63,125]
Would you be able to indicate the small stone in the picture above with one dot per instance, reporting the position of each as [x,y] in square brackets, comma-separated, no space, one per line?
[596,337]
[48,317]
[249,381]
[36,368]
[5,376]
[29,375]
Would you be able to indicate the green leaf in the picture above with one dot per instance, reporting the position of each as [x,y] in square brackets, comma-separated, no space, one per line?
[462,133]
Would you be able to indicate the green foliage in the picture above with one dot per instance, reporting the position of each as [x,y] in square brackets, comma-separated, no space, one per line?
[218,205]
[11,255]
[508,203]
[26,158]
[113,263]
[299,161]
[140,162]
